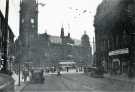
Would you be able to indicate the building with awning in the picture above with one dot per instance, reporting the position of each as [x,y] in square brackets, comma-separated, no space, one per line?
[119,52]
[67,65]
[115,37]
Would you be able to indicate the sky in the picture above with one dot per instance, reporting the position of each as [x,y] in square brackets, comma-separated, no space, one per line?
[76,16]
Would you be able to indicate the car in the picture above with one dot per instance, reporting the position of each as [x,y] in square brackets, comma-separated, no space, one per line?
[94,72]
[37,76]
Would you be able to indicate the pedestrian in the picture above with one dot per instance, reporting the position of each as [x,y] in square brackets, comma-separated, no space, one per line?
[58,72]
[25,75]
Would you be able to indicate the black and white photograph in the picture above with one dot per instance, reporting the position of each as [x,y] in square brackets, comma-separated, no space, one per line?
[67,45]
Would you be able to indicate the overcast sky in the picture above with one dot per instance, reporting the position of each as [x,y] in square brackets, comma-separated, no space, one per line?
[76,15]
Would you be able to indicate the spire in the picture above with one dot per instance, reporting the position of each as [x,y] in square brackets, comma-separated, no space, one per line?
[68,27]
[68,35]
[85,40]
[85,32]
[45,30]
[62,32]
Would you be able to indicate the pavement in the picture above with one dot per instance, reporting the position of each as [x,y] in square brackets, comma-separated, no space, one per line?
[130,82]
[24,84]
[80,83]
[6,83]
[65,83]
[102,84]
[21,87]
[123,77]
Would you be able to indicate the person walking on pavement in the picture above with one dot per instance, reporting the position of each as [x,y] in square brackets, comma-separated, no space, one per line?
[25,75]
[58,72]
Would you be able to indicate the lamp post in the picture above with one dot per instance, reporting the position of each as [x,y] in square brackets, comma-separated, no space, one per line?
[19,74]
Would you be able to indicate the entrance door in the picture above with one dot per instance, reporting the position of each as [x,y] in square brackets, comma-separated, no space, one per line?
[116,66]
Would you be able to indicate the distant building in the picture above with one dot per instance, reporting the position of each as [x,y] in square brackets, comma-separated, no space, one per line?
[86,48]
[52,49]
[85,40]
[45,48]
[28,21]
[65,39]
[28,28]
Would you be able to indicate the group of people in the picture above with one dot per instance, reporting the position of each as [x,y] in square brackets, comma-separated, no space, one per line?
[25,75]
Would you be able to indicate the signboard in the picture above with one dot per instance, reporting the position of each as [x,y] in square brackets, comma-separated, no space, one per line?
[119,51]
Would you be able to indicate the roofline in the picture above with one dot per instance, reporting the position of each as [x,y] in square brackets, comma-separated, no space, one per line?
[9,28]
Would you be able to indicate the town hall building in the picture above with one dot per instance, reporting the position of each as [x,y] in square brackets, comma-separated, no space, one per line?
[45,48]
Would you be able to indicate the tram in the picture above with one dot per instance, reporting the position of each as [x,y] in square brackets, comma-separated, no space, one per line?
[37,75]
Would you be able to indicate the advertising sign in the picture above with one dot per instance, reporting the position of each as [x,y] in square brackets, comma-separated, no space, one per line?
[119,51]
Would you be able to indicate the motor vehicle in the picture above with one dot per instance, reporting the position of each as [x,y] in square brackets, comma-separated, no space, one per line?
[93,72]
[37,76]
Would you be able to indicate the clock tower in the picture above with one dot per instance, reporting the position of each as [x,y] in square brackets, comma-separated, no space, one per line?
[28,32]
[28,22]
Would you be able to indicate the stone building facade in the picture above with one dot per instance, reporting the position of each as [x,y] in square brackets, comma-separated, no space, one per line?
[114,31]
[45,48]
[48,49]
[28,32]
[10,40]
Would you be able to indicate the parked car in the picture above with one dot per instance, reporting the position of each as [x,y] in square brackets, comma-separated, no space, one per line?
[37,76]
[93,71]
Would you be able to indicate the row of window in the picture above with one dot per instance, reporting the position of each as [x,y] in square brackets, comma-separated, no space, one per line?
[32,21]
[116,43]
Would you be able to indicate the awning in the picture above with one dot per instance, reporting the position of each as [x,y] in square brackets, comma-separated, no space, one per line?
[119,51]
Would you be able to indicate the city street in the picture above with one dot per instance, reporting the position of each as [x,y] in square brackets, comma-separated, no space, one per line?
[78,82]
[67,46]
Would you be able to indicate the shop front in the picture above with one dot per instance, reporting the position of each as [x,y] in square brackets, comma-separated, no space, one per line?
[119,60]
